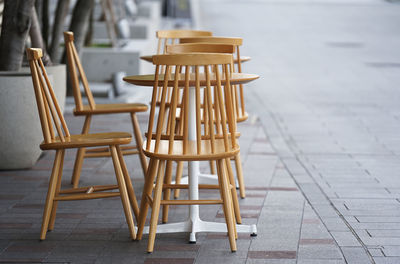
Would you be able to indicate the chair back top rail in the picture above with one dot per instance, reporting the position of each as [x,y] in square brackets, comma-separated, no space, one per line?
[49,111]
[200,47]
[211,39]
[75,68]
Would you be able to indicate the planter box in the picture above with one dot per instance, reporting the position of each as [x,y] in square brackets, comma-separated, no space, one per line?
[20,130]
[101,63]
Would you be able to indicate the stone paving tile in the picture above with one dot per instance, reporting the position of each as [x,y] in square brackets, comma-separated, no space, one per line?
[272,254]
[384,233]
[391,251]
[345,239]
[387,260]
[355,255]
[318,261]
[376,252]
[320,251]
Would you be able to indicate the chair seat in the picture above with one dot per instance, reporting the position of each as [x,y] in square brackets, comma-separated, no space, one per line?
[112,109]
[191,153]
[89,140]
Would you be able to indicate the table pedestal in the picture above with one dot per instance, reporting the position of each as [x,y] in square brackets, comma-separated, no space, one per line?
[194,224]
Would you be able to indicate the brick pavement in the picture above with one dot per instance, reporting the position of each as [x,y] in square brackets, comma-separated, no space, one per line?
[95,231]
[328,101]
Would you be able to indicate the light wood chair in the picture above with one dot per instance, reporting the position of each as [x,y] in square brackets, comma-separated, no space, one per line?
[211,48]
[211,140]
[57,137]
[90,109]
[170,37]
[241,113]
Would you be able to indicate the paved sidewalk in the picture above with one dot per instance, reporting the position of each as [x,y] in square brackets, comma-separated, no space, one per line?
[329,103]
[95,231]
[320,151]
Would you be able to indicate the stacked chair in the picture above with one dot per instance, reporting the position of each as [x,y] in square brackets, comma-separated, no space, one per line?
[167,39]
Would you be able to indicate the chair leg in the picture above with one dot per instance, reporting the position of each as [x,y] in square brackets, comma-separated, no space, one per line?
[239,175]
[235,201]
[167,192]
[235,209]
[139,142]
[55,203]
[212,167]
[128,182]
[226,198]
[76,174]
[178,177]
[156,206]
[50,194]
[123,191]
[147,189]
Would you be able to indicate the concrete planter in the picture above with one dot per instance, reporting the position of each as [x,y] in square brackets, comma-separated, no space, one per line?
[20,131]
[59,73]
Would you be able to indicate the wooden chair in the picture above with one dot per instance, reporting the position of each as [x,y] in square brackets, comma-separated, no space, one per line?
[211,48]
[59,139]
[88,110]
[241,113]
[197,141]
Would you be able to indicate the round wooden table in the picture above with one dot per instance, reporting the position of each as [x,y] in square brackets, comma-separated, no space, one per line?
[194,224]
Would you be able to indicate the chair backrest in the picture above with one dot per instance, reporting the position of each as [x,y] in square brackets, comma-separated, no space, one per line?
[182,72]
[217,40]
[209,48]
[231,41]
[49,111]
[75,68]
[166,37]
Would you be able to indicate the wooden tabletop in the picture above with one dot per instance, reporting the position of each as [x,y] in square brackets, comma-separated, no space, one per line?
[149,58]
[148,79]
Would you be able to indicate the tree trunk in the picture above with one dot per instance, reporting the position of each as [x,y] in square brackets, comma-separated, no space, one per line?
[45,23]
[15,27]
[37,39]
[39,10]
[58,27]
[89,33]
[79,23]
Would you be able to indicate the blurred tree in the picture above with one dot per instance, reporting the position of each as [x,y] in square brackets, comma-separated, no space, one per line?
[36,37]
[14,30]
[79,25]
[58,27]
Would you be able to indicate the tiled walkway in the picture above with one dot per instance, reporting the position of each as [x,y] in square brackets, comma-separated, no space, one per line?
[329,102]
[95,231]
